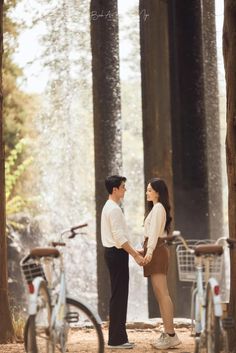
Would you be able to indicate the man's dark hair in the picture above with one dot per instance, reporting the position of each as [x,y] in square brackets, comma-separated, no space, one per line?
[113,181]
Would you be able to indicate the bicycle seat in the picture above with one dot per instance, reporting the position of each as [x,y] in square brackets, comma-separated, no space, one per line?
[44,252]
[208,249]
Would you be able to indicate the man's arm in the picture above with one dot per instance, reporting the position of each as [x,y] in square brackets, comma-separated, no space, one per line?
[118,226]
[134,253]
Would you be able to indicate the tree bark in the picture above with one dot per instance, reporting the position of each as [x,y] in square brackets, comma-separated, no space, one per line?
[188,119]
[212,117]
[156,113]
[190,172]
[6,327]
[107,119]
[229,52]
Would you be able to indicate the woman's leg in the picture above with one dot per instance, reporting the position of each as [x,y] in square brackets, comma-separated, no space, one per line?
[160,288]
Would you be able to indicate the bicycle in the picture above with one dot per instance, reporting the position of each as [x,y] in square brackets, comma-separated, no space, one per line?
[200,262]
[55,320]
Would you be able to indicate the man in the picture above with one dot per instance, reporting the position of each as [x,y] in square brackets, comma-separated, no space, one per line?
[117,249]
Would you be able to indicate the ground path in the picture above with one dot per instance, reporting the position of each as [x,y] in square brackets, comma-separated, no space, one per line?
[141,333]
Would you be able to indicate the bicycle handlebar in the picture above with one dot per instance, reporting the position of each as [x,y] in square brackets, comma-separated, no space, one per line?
[58,243]
[177,236]
[73,230]
[200,249]
[79,226]
[232,243]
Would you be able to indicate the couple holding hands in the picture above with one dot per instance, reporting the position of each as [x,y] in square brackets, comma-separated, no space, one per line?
[154,258]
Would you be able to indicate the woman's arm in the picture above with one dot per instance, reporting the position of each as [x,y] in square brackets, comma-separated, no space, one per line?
[156,228]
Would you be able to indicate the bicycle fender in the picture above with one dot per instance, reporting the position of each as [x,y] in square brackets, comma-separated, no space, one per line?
[216,298]
[32,298]
[97,317]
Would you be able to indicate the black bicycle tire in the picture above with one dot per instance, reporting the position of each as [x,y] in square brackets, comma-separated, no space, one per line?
[26,327]
[214,323]
[94,320]
[29,329]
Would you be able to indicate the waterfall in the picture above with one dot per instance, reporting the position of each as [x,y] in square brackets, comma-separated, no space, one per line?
[63,148]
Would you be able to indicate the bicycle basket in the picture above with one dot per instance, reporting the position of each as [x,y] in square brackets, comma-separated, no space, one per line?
[32,269]
[187,265]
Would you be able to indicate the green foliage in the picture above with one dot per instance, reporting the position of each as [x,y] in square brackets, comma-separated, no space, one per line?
[14,170]
[19,110]
[18,107]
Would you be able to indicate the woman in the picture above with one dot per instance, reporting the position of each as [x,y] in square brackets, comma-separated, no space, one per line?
[156,256]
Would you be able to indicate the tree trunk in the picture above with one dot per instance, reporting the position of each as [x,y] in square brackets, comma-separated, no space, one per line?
[229,51]
[107,119]
[6,328]
[188,119]
[212,117]
[156,105]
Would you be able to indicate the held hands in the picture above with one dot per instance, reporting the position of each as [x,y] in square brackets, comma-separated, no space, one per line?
[139,259]
[147,259]
[142,261]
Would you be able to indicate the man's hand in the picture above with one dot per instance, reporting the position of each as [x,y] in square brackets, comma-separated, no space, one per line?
[133,252]
[139,259]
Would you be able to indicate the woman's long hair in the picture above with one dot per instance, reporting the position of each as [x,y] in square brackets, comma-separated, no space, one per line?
[160,186]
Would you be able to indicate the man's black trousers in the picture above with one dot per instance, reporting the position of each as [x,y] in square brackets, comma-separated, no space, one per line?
[117,261]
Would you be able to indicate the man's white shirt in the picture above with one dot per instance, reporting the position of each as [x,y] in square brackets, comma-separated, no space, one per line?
[114,230]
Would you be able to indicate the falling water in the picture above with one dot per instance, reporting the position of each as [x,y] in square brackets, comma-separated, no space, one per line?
[63,147]
[64,159]
[65,143]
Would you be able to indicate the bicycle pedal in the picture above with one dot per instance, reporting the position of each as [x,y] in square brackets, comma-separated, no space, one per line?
[228,323]
[72,317]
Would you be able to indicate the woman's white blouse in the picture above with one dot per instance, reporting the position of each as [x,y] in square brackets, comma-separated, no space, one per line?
[154,226]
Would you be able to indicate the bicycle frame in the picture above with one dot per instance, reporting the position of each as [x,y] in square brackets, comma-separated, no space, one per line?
[53,315]
[206,305]
[59,301]
[32,298]
[59,309]
[200,300]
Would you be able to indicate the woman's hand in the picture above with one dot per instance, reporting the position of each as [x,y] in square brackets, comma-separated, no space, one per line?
[147,259]
[139,259]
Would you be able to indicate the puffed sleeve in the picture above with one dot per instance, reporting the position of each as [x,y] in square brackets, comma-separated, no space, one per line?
[157,226]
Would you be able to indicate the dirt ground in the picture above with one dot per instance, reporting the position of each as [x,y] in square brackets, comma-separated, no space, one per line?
[142,334]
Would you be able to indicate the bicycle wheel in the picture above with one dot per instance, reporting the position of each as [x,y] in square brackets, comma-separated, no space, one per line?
[214,342]
[82,332]
[37,332]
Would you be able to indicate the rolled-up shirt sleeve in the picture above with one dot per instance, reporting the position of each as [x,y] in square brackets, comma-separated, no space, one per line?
[156,227]
[118,227]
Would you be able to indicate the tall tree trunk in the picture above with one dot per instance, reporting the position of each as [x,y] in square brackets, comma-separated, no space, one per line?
[107,119]
[229,51]
[212,119]
[156,103]
[190,173]
[188,118]
[6,328]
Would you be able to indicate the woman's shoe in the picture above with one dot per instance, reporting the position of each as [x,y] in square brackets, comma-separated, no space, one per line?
[166,341]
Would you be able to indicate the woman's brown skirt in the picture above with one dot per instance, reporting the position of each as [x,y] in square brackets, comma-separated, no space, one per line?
[160,259]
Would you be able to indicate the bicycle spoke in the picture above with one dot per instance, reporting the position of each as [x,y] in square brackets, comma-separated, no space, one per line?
[37,327]
[213,331]
[81,332]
